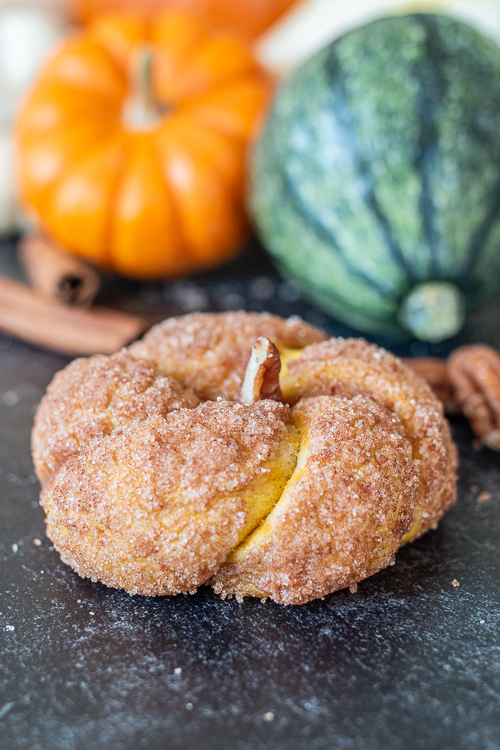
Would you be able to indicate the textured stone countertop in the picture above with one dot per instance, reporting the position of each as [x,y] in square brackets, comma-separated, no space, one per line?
[409,661]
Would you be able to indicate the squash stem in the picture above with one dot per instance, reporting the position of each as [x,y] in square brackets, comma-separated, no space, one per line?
[433,311]
[141,110]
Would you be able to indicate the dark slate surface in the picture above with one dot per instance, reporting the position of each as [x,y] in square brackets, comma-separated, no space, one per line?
[410,661]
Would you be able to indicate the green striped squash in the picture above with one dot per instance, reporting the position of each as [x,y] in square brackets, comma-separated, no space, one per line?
[376,182]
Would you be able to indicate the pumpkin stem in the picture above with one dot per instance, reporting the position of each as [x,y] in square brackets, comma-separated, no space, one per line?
[433,311]
[141,110]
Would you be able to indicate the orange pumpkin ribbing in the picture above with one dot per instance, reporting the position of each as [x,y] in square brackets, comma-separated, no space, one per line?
[154,188]
[248,18]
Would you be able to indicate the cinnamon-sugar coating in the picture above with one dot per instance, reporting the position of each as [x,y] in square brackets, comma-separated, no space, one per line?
[157,507]
[209,352]
[348,367]
[92,397]
[344,512]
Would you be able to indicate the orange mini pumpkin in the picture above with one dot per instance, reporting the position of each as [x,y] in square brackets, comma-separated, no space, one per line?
[131,146]
[247,17]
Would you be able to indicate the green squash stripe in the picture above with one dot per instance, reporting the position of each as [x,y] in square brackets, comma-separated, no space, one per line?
[327,235]
[433,91]
[480,236]
[337,305]
[336,79]
[289,225]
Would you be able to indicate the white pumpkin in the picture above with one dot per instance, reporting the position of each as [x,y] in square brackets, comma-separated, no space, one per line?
[9,220]
[27,35]
[312,24]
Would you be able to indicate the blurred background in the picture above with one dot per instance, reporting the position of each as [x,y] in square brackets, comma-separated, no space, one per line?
[127,172]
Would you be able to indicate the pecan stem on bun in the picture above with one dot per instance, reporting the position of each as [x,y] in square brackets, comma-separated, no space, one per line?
[262,374]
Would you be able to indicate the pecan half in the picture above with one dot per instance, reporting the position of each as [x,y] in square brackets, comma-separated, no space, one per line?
[262,373]
[474,373]
[434,371]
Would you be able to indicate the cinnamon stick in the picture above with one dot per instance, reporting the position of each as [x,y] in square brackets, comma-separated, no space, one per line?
[28,315]
[57,274]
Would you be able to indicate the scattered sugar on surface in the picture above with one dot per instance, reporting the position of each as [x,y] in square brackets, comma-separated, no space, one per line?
[484,497]
[10,398]
[4,710]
